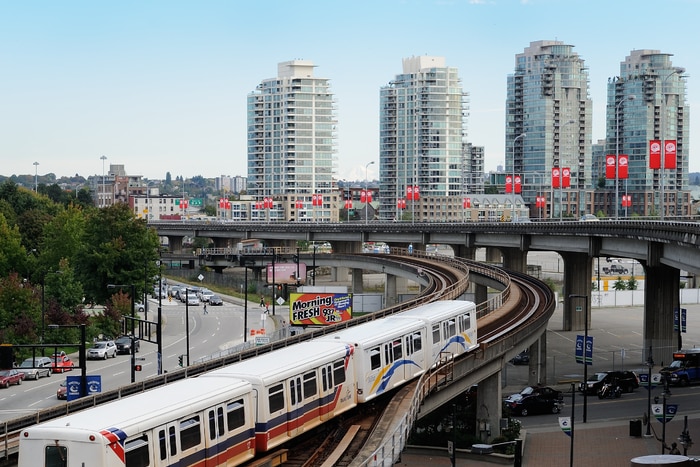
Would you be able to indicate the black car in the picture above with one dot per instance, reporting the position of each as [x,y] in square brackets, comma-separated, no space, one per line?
[215,300]
[524,405]
[523,358]
[627,380]
[124,344]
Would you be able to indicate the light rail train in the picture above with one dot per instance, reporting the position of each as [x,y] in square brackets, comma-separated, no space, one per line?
[227,416]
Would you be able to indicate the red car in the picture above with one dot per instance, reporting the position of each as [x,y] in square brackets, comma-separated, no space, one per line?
[62,391]
[61,363]
[8,377]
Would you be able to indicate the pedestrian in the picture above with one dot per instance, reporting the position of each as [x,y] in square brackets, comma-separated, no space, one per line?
[262,302]
[205,309]
[267,308]
[674,449]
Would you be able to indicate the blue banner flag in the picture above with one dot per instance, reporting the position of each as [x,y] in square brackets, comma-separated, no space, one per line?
[589,350]
[579,349]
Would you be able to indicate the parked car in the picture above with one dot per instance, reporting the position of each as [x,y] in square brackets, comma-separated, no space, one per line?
[215,300]
[62,391]
[140,307]
[627,380]
[102,350]
[61,363]
[35,368]
[524,405]
[8,377]
[124,344]
[523,358]
[615,269]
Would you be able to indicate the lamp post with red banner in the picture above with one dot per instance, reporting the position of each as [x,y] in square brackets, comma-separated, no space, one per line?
[618,159]
[667,157]
[512,180]
[367,193]
[412,195]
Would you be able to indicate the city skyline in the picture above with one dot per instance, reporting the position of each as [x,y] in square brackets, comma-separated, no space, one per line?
[161,87]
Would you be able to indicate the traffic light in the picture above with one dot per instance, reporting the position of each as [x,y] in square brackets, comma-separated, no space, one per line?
[137,367]
[296,258]
[179,359]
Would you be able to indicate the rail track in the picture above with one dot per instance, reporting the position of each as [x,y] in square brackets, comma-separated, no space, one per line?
[447,278]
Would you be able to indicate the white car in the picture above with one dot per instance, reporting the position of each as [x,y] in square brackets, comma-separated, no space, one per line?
[102,350]
[35,368]
[205,295]
[192,300]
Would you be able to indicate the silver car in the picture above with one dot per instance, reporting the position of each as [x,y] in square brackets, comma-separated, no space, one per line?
[35,368]
[103,350]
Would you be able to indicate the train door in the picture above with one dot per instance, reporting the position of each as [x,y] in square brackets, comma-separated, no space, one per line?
[215,433]
[393,354]
[413,343]
[166,450]
[295,406]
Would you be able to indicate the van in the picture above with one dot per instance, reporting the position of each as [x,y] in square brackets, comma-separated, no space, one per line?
[35,368]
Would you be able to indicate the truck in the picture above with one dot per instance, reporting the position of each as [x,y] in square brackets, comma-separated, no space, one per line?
[684,369]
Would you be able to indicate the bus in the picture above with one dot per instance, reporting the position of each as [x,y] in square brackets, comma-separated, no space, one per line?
[684,369]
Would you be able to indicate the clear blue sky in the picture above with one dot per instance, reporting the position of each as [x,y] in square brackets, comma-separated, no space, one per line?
[161,86]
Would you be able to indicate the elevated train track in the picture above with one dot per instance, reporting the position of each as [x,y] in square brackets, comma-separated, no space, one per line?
[443,278]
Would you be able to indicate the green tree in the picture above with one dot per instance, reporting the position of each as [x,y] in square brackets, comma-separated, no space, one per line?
[20,310]
[632,283]
[13,256]
[620,284]
[117,248]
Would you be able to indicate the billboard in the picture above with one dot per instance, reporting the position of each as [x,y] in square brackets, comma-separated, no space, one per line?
[316,308]
[286,273]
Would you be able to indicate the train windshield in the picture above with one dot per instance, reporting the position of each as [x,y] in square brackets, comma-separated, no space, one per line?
[56,456]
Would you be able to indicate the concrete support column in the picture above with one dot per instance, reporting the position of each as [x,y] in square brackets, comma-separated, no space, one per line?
[488,407]
[537,369]
[578,271]
[390,297]
[661,296]
[465,252]
[175,244]
[481,294]
[220,242]
[515,259]
[493,255]
[357,281]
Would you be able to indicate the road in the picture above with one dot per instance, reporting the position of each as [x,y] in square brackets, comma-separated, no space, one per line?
[221,328]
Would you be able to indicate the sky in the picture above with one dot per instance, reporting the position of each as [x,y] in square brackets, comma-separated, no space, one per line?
[161,86]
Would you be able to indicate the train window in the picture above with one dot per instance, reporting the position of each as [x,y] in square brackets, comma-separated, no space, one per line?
[325,374]
[310,385]
[162,445]
[338,372]
[190,433]
[449,329]
[212,424]
[464,322]
[409,345]
[235,414]
[276,398]
[417,342]
[375,358]
[56,456]
[397,351]
[436,333]
[136,452]
[173,440]
[220,420]
[295,390]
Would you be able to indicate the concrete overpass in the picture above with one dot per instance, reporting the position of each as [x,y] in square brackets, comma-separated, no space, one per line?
[663,249]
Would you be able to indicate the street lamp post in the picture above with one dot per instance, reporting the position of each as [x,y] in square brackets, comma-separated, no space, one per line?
[585,362]
[676,71]
[36,179]
[366,190]
[561,181]
[631,97]
[103,158]
[650,365]
[512,181]
[132,288]
[187,324]
[159,331]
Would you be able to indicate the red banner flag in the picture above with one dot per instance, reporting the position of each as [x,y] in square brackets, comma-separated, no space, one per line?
[416,193]
[539,203]
[518,184]
[670,154]
[626,201]
[556,177]
[509,184]
[228,204]
[409,192]
[610,166]
[565,177]
[363,196]
[401,203]
[654,154]
[369,196]
[622,166]
[348,204]
[467,203]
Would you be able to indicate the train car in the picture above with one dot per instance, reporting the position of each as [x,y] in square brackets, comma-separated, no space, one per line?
[393,350]
[452,325]
[297,388]
[195,421]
